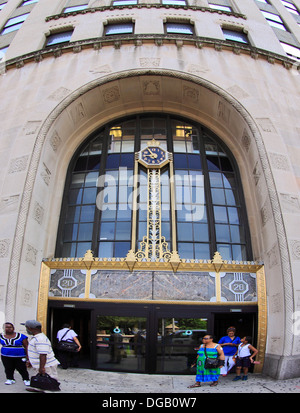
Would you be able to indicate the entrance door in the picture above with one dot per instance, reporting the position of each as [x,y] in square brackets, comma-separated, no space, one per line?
[80,321]
[150,338]
[147,338]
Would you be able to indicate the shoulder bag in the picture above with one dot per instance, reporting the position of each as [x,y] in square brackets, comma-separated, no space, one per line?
[210,363]
[69,346]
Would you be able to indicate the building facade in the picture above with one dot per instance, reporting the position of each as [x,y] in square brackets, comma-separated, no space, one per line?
[150,175]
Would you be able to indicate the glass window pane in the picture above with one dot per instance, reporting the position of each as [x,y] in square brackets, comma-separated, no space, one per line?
[107,231]
[75,8]
[186,250]
[124,213]
[123,230]
[109,213]
[82,248]
[233,215]
[127,160]
[165,230]
[194,162]
[70,232]
[91,179]
[185,231]
[105,249]
[93,162]
[124,2]
[225,251]
[123,28]
[237,234]
[239,252]
[199,213]
[219,7]
[180,161]
[75,196]
[213,163]
[12,28]
[73,214]
[121,249]
[220,214]
[179,28]
[112,161]
[142,230]
[87,213]
[222,233]
[58,38]
[89,196]
[69,249]
[201,232]
[179,146]
[85,232]
[202,251]
[174,2]
[235,36]
[16,20]
[218,196]
[231,197]
[215,179]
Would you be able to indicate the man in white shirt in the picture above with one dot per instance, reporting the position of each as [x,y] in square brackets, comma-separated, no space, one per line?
[40,353]
[68,358]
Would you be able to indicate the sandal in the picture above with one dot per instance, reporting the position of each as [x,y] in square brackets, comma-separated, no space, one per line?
[197,384]
[213,384]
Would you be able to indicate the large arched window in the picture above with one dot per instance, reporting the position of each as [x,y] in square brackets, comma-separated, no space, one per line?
[209,204]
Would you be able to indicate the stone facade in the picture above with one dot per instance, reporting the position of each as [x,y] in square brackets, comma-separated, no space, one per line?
[53,98]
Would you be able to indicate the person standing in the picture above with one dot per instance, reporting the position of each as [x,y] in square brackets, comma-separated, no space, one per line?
[14,354]
[40,353]
[244,357]
[68,358]
[229,344]
[211,350]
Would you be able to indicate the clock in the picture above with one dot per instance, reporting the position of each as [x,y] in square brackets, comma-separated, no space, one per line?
[153,156]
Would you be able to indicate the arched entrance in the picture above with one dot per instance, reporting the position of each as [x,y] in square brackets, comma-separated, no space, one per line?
[105,99]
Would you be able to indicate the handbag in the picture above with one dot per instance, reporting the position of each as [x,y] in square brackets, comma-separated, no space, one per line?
[69,346]
[44,382]
[210,363]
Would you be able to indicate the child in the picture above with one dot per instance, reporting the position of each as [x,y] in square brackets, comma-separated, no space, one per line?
[244,358]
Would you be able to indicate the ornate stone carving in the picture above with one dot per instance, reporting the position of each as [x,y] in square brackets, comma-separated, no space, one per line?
[18,164]
[4,248]
[111,95]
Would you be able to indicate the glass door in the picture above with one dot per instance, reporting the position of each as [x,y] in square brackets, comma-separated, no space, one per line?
[121,343]
[177,340]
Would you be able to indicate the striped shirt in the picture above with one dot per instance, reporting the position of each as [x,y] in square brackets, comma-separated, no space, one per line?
[40,344]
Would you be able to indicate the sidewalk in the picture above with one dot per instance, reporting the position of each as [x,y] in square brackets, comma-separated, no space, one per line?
[91,381]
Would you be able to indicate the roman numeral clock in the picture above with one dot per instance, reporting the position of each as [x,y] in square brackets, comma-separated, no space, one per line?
[154,245]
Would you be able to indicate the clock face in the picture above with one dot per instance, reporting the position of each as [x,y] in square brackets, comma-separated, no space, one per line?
[153,156]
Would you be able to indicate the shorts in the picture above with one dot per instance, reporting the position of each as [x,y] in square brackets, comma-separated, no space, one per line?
[243,362]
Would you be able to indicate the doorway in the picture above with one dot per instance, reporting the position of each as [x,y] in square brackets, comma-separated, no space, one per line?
[146,338]
[80,321]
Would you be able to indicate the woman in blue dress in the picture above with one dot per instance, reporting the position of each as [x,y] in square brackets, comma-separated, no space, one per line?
[212,350]
[14,353]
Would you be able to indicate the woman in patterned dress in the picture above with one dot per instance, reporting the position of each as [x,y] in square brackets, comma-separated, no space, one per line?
[213,350]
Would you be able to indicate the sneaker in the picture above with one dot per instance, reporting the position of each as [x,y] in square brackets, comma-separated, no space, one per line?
[8,381]
[27,382]
[237,378]
[245,378]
